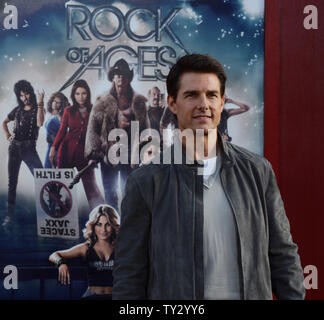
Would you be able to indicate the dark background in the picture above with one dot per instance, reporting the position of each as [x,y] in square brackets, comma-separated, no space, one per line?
[294,111]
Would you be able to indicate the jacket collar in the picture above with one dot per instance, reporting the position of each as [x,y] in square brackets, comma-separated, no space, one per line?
[223,148]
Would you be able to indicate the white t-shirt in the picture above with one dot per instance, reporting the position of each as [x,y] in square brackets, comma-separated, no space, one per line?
[221,261]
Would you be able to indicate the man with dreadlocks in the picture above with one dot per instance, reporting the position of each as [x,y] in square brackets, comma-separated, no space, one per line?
[28,116]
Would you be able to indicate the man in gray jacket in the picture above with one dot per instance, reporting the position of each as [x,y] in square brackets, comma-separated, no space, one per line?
[204,227]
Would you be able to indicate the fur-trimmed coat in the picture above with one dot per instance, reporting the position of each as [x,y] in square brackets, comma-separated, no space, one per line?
[103,118]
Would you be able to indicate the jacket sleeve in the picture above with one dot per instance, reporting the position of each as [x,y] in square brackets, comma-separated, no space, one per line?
[131,249]
[287,276]
[63,129]
[93,144]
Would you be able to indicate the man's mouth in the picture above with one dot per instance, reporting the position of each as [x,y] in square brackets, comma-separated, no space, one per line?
[202,116]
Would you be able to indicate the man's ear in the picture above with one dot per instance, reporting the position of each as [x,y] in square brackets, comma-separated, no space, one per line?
[223,101]
[172,105]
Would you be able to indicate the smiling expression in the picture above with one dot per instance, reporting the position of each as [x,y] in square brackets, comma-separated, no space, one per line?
[199,103]
[103,228]
[25,98]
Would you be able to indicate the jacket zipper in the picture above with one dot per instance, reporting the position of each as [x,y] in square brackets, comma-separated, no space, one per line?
[238,231]
[193,235]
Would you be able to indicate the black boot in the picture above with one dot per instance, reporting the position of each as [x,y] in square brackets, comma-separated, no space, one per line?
[10,217]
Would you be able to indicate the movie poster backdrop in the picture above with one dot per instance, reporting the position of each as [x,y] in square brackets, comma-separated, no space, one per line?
[54,43]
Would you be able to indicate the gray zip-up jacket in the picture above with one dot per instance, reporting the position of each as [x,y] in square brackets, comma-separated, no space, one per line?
[159,248]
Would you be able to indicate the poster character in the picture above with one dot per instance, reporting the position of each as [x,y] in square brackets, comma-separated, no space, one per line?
[55,106]
[97,251]
[230,112]
[156,107]
[68,145]
[115,109]
[28,117]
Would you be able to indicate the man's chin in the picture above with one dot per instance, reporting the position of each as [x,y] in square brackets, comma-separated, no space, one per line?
[205,131]
[122,86]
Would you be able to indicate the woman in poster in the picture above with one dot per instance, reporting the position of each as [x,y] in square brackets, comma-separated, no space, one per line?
[97,251]
[69,143]
[230,112]
[55,106]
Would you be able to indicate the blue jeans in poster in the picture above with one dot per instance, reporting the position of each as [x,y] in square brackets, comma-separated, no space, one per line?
[20,151]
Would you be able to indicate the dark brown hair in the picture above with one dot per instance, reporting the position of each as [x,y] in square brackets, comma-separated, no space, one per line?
[64,102]
[26,87]
[195,62]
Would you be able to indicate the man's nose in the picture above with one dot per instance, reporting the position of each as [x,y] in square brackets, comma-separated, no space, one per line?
[203,102]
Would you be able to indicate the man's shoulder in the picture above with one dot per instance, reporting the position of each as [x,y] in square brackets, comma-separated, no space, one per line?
[149,169]
[14,109]
[105,106]
[157,109]
[12,113]
[103,101]
[245,156]
[146,172]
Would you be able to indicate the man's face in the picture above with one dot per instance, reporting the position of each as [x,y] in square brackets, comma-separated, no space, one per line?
[25,98]
[199,103]
[121,81]
[155,97]
[103,228]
